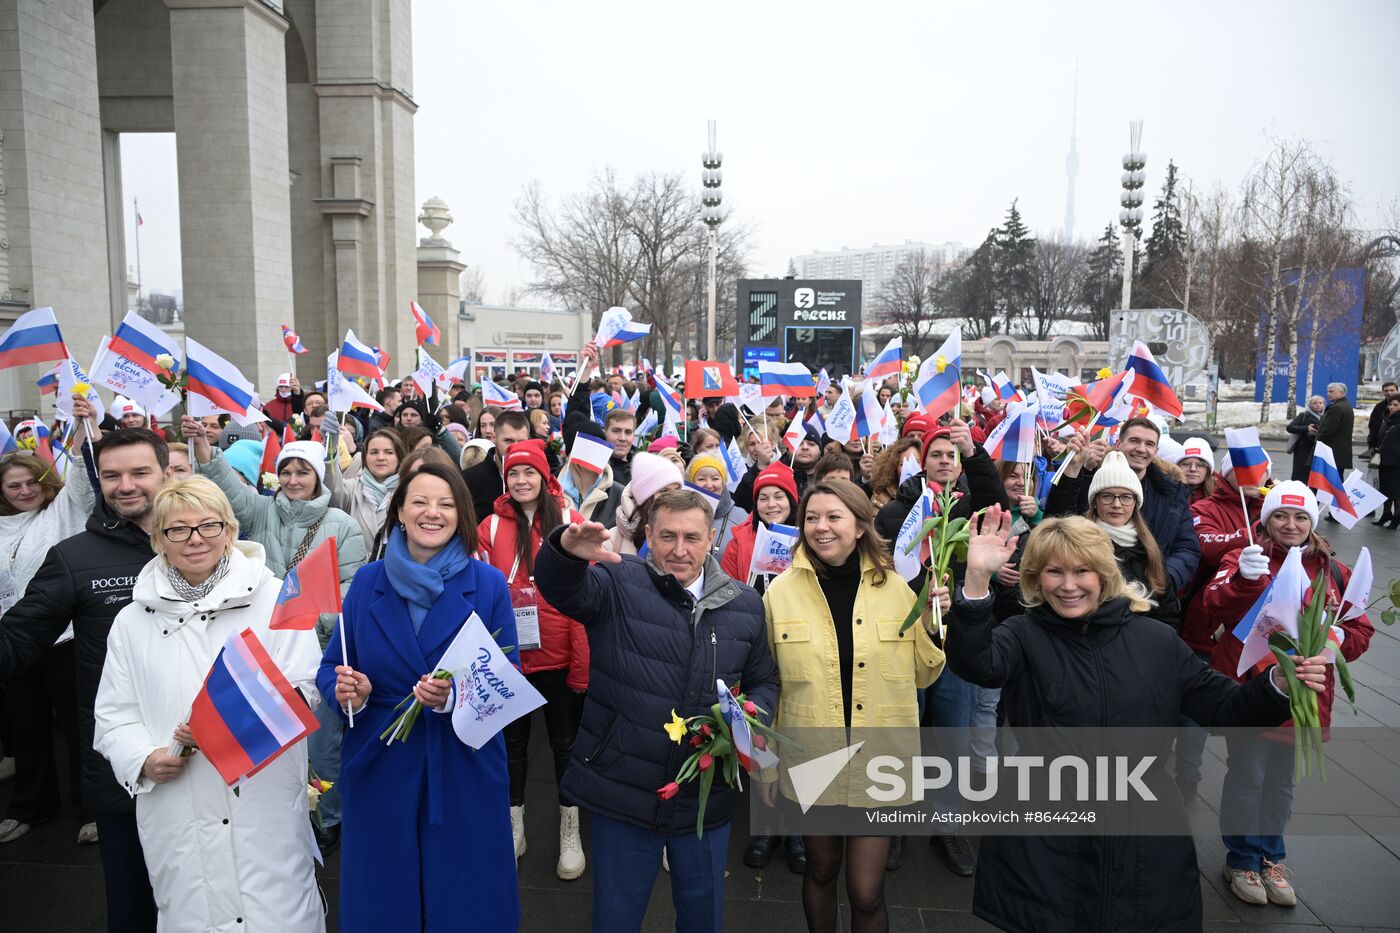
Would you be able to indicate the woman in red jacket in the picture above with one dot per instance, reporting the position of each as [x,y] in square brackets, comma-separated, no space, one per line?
[553,647]
[1258,790]
[775,500]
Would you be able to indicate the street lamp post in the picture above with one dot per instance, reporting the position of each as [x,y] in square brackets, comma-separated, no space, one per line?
[710,198]
[1131,215]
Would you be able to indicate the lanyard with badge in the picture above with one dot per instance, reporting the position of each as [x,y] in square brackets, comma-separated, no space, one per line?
[525,602]
[9,586]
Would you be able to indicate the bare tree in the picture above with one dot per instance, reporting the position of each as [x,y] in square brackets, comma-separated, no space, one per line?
[1054,283]
[908,301]
[472,285]
[1293,206]
[583,255]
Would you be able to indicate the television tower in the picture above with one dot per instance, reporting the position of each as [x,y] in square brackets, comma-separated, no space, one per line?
[1072,161]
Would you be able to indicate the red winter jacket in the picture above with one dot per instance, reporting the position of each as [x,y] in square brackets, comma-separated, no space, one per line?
[738,554]
[1220,527]
[563,642]
[1229,596]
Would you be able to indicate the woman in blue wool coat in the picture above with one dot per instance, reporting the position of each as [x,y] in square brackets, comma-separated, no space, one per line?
[426,829]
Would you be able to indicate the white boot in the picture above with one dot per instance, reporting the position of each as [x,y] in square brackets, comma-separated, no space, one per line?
[571,859]
[517,829]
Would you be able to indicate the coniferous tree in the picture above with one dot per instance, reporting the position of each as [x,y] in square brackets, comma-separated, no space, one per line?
[1164,251]
[1103,284]
[1013,254]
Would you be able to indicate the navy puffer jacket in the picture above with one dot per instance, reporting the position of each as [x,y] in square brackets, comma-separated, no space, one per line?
[653,649]
[1166,507]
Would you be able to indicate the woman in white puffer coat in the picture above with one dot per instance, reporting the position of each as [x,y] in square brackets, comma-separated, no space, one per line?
[38,509]
[221,861]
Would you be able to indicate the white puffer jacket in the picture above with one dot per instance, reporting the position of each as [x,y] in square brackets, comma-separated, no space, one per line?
[217,861]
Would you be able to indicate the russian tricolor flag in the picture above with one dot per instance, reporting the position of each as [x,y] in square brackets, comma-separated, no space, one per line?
[938,392]
[357,359]
[33,338]
[628,332]
[48,383]
[1005,391]
[889,361]
[8,444]
[870,417]
[492,394]
[140,341]
[1013,439]
[1150,383]
[1247,457]
[675,405]
[1325,478]
[216,380]
[247,714]
[292,341]
[792,379]
[424,330]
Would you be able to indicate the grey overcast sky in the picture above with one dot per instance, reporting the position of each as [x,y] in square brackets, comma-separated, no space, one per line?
[847,124]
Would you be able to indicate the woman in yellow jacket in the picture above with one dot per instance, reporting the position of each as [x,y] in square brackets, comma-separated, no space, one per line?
[834,625]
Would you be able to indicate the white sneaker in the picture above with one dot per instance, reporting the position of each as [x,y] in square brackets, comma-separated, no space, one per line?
[571,860]
[10,830]
[1246,885]
[517,829]
[1277,886]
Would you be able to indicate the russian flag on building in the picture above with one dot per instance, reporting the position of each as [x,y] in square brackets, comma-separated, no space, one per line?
[140,341]
[1150,383]
[1013,439]
[1325,479]
[889,361]
[247,714]
[591,453]
[1247,456]
[357,359]
[792,379]
[293,342]
[937,389]
[492,394]
[216,380]
[424,330]
[33,338]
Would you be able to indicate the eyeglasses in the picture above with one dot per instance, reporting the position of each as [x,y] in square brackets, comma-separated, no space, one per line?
[179,533]
[1116,498]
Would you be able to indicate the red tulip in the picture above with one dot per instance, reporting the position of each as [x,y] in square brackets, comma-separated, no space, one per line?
[669,791]
[750,707]
[758,743]
[705,729]
[706,760]
[696,741]
[734,689]
[937,488]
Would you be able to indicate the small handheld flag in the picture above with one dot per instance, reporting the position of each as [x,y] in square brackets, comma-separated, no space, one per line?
[138,340]
[791,379]
[889,361]
[292,341]
[1013,440]
[492,394]
[937,384]
[424,330]
[218,382]
[34,337]
[1247,456]
[246,713]
[616,327]
[591,453]
[358,360]
[1326,480]
[1276,610]
[1150,383]
[710,379]
[309,589]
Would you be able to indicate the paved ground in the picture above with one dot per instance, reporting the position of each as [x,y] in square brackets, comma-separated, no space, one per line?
[1346,884]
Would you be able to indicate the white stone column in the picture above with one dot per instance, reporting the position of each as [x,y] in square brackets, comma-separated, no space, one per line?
[440,278]
[229,77]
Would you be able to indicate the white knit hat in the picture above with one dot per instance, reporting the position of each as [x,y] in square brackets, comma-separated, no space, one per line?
[1199,448]
[1169,449]
[1115,473]
[651,474]
[1290,494]
[1227,466]
[313,453]
[122,406]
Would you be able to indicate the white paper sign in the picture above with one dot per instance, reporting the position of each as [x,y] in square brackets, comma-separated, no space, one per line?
[772,549]
[1364,497]
[124,377]
[488,692]
[751,397]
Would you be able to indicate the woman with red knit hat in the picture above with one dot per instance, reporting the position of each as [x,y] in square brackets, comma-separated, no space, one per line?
[775,500]
[553,647]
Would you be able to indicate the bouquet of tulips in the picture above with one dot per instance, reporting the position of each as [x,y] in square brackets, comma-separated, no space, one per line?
[711,739]
[947,538]
[1314,627]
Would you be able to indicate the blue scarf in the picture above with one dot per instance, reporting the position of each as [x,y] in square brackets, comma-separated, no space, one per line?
[420,585]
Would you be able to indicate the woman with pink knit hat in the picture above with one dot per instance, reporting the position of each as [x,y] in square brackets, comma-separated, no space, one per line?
[651,473]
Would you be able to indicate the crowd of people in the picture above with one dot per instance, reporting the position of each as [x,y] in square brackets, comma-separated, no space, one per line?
[622,591]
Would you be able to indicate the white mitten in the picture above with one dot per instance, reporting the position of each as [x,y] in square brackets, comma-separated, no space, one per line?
[1253,563]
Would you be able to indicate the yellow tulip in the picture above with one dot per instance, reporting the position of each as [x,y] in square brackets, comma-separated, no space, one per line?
[1104,373]
[81,389]
[676,728]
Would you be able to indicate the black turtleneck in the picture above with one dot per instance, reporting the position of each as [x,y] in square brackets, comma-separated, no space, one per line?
[839,586]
